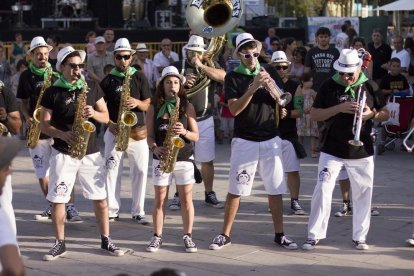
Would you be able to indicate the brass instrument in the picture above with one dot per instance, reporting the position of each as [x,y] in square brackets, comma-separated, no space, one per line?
[211,19]
[277,93]
[126,118]
[357,124]
[81,128]
[3,129]
[173,143]
[410,133]
[33,133]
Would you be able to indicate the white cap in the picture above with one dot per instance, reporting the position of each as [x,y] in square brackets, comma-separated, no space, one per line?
[99,39]
[64,52]
[38,41]
[348,61]
[122,44]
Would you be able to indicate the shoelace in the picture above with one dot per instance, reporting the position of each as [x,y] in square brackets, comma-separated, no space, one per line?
[296,205]
[188,242]
[219,239]
[72,212]
[155,242]
[285,240]
[212,197]
[111,246]
[55,249]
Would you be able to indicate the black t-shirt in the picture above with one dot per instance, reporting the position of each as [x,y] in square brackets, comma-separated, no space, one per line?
[379,55]
[8,101]
[29,87]
[203,104]
[340,126]
[112,89]
[160,130]
[63,105]
[398,82]
[257,121]
[321,64]
[287,126]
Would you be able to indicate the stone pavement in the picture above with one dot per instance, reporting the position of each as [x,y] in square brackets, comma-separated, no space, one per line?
[252,252]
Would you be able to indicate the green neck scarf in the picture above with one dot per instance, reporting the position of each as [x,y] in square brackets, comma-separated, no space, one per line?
[362,78]
[41,71]
[167,106]
[61,82]
[242,69]
[131,71]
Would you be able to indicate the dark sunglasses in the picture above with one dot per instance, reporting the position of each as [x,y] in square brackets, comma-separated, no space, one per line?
[346,74]
[126,57]
[76,65]
[249,55]
[278,67]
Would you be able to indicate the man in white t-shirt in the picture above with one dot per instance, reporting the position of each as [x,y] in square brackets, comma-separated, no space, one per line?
[10,261]
[401,53]
[342,39]
[165,57]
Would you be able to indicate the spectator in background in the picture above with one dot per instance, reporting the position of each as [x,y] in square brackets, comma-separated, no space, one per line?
[166,56]
[109,36]
[5,68]
[21,66]
[342,40]
[271,32]
[381,54]
[350,31]
[409,46]
[402,54]
[394,81]
[90,40]
[297,67]
[17,49]
[274,45]
[147,65]
[53,41]
[359,43]
[98,60]
[289,46]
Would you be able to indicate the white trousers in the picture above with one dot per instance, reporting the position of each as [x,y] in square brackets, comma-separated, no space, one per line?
[138,154]
[360,172]
[6,204]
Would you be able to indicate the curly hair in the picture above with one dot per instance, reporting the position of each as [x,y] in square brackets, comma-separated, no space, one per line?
[158,98]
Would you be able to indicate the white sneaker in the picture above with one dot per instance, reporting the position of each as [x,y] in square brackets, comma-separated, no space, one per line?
[154,244]
[410,241]
[361,245]
[175,203]
[345,210]
[47,214]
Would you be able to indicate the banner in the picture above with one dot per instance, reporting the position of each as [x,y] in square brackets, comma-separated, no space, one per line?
[332,23]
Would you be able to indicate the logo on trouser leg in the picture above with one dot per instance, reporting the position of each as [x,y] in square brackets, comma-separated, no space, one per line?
[324,175]
[243,178]
[157,171]
[110,163]
[61,189]
[38,161]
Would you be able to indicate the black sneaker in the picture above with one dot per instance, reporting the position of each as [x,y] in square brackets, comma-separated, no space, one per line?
[112,219]
[140,219]
[219,242]
[58,250]
[72,215]
[110,247]
[154,244]
[47,214]
[286,243]
[190,246]
[296,208]
[346,210]
[211,200]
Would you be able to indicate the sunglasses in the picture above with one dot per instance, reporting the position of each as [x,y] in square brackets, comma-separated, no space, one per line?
[76,65]
[281,67]
[346,74]
[249,55]
[126,57]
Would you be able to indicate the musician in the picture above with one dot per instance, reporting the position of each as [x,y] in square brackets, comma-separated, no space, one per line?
[292,150]
[59,106]
[203,102]
[29,88]
[162,110]
[137,150]
[256,140]
[10,261]
[336,105]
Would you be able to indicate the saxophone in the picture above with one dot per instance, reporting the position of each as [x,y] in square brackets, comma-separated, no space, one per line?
[173,143]
[81,128]
[3,128]
[126,118]
[33,133]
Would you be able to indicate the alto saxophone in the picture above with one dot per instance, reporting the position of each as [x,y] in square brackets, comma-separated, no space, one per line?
[173,143]
[126,118]
[33,133]
[81,128]
[3,128]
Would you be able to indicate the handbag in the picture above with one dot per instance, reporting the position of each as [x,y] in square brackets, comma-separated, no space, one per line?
[394,111]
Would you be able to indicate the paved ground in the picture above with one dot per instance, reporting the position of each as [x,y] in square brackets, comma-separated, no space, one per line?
[253,251]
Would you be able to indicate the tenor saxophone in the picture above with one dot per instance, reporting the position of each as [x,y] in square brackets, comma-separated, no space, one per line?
[126,118]
[33,133]
[173,143]
[81,128]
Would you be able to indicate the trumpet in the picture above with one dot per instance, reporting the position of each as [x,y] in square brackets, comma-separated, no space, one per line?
[282,98]
[409,149]
[357,124]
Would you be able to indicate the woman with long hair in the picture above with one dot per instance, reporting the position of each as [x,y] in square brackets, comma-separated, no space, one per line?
[161,110]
